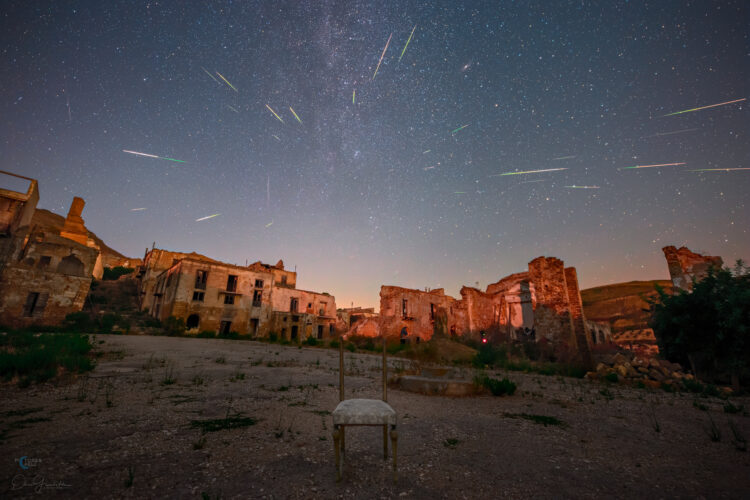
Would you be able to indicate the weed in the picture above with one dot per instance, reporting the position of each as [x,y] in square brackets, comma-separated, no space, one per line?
[713,430]
[311,341]
[730,408]
[222,360]
[169,377]
[496,387]
[82,385]
[198,445]
[130,478]
[198,379]
[607,394]
[537,419]
[219,424]
[450,442]
[739,441]
[108,392]
[611,377]
[237,376]
[699,405]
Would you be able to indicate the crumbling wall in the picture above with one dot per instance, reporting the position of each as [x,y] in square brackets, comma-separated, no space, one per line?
[684,266]
[418,314]
[552,318]
[482,311]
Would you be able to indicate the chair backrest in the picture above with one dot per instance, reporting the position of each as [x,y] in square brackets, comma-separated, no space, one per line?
[341,369]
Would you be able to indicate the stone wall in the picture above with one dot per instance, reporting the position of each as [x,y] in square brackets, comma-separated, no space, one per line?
[684,266]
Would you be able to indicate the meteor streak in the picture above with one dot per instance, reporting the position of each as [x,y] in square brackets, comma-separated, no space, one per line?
[354,94]
[207,217]
[459,192]
[581,187]
[152,156]
[212,76]
[719,169]
[653,166]
[529,172]
[705,107]
[659,134]
[459,128]
[274,113]
[564,157]
[381,56]
[269,224]
[227,81]
[425,152]
[295,114]
[429,168]
[230,107]
[276,137]
[407,43]
[137,209]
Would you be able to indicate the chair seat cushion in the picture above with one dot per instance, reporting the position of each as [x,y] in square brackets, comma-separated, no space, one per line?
[364,412]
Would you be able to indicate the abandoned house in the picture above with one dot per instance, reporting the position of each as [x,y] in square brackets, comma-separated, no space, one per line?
[542,303]
[44,275]
[256,300]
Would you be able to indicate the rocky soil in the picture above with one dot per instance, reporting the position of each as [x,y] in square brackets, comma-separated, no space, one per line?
[151,422]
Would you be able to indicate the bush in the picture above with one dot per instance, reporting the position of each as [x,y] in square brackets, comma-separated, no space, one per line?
[496,387]
[206,334]
[350,347]
[79,322]
[611,377]
[334,344]
[173,326]
[311,341]
[115,273]
[273,337]
[229,335]
[37,357]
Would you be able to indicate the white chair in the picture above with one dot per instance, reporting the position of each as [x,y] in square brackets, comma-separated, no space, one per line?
[363,412]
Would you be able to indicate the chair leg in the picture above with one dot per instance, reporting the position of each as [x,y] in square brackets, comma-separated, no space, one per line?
[394,445]
[385,442]
[337,450]
[343,442]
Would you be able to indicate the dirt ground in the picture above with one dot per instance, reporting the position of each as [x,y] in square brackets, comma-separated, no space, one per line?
[126,430]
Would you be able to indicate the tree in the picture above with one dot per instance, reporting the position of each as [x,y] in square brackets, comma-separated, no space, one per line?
[709,327]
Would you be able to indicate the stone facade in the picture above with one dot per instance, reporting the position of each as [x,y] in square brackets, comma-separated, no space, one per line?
[44,276]
[542,303]
[256,300]
[684,266]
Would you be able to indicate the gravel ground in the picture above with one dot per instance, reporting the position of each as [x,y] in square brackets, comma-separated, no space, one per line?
[126,430]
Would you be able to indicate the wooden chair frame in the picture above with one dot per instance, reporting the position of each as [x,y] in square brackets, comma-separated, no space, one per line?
[339,429]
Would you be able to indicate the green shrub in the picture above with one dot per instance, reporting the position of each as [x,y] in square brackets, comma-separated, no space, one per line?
[229,335]
[311,341]
[37,357]
[350,347]
[79,322]
[206,334]
[611,377]
[173,326]
[496,387]
[334,344]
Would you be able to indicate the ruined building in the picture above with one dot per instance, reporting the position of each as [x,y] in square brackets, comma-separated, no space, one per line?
[256,300]
[44,274]
[684,266]
[541,303]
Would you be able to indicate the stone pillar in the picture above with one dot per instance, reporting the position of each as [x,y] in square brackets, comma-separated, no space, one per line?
[575,304]
[74,228]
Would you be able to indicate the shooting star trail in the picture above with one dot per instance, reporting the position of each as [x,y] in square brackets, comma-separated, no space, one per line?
[459,128]
[381,56]
[276,137]
[705,107]
[354,95]
[152,156]
[719,169]
[529,182]
[137,209]
[212,76]
[274,113]
[581,187]
[660,134]
[459,192]
[425,152]
[429,168]
[227,82]
[295,114]
[230,107]
[207,217]
[70,117]
[269,224]
[653,166]
[564,157]
[529,172]
[407,43]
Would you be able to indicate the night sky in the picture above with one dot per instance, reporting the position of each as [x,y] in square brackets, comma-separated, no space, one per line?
[383,188]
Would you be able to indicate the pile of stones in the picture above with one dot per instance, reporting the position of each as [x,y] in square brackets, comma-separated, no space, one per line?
[631,368]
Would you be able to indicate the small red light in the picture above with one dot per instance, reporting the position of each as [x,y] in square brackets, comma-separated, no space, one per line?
[484,341]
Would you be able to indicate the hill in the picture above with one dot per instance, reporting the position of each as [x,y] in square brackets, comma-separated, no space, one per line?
[623,305]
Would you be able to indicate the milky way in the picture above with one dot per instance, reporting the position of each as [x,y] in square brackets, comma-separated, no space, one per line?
[361,176]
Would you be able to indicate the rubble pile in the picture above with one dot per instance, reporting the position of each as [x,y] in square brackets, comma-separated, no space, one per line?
[631,368]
